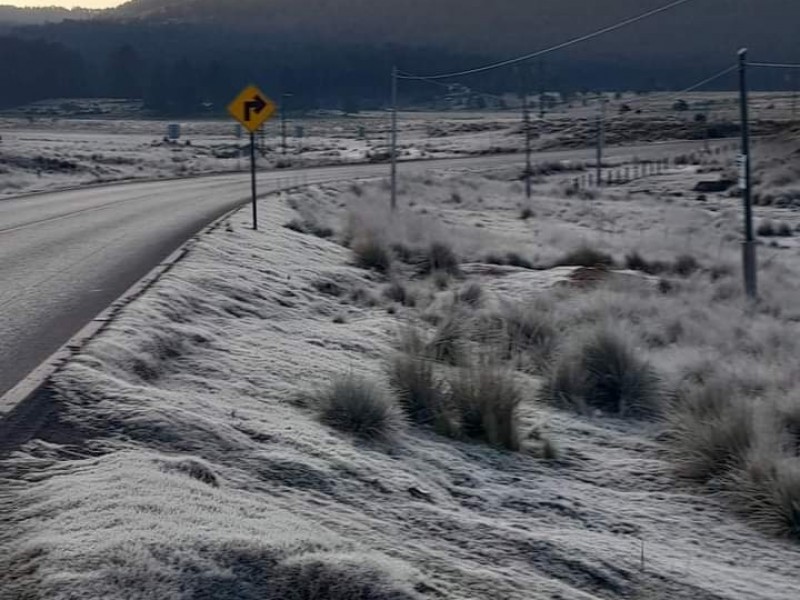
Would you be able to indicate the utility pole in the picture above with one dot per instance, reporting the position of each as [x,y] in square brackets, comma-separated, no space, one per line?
[749,245]
[526,120]
[601,135]
[393,143]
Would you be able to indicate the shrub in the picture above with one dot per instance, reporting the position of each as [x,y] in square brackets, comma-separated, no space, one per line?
[514,259]
[530,337]
[586,256]
[526,213]
[472,294]
[604,373]
[398,292]
[338,576]
[784,230]
[766,490]
[420,393]
[511,259]
[766,229]
[310,226]
[448,344]
[442,258]
[711,429]
[635,262]
[685,265]
[359,406]
[487,400]
[371,253]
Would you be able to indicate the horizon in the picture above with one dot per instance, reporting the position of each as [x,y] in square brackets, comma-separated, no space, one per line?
[63,4]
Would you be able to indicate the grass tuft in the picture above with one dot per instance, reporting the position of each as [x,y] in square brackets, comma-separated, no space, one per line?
[472,294]
[711,428]
[586,256]
[487,399]
[448,345]
[421,394]
[336,576]
[766,491]
[605,374]
[530,337]
[373,254]
[685,265]
[360,407]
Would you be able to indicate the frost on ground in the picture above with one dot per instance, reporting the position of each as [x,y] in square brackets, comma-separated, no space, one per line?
[65,143]
[188,458]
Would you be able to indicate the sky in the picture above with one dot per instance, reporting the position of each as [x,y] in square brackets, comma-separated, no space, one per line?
[65,3]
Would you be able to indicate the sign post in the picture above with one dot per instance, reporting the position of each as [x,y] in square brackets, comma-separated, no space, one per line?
[252,108]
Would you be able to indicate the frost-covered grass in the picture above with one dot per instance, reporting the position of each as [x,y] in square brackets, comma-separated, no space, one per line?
[188,458]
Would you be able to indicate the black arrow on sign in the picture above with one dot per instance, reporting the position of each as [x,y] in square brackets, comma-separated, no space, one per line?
[256,105]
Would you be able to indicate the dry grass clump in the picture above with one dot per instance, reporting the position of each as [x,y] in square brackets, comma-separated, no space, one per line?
[398,292]
[529,337]
[421,393]
[372,253]
[603,373]
[360,407]
[487,398]
[636,262]
[336,576]
[748,447]
[586,256]
[510,259]
[771,229]
[685,265]
[448,345]
[310,226]
[477,401]
[712,429]
[440,257]
[471,294]
[766,491]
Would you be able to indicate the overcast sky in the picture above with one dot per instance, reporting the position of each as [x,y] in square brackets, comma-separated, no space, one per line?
[64,3]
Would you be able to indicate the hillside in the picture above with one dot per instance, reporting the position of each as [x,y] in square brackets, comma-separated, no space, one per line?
[15,16]
[711,29]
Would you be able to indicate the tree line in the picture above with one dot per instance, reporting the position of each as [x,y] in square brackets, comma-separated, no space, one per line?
[185,69]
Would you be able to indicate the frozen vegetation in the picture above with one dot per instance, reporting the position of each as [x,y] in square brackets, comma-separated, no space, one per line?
[474,397]
[66,143]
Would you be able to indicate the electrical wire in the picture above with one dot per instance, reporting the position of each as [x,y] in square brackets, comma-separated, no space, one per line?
[677,95]
[561,46]
[773,65]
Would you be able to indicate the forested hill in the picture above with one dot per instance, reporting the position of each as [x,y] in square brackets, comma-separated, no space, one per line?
[191,56]
[706,30]
[11,16]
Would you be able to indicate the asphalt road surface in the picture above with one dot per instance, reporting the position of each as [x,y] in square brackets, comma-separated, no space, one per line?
[66,256]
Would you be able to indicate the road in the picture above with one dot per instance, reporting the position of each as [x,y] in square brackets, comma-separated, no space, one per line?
[65,256]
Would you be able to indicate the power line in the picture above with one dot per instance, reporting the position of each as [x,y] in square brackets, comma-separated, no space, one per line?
[691,88]
[774,65]
[567,44]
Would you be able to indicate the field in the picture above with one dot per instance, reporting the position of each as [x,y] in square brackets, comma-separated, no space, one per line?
[68,143]
[476,396]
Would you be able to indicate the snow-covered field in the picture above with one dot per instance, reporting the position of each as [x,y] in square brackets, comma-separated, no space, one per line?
[187,458]
[48,148]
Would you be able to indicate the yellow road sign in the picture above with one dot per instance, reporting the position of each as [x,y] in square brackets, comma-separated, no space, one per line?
[251,108]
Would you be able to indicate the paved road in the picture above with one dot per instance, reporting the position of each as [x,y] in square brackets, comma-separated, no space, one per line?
[65,256]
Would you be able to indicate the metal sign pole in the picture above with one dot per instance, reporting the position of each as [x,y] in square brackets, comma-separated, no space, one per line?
[253,178]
